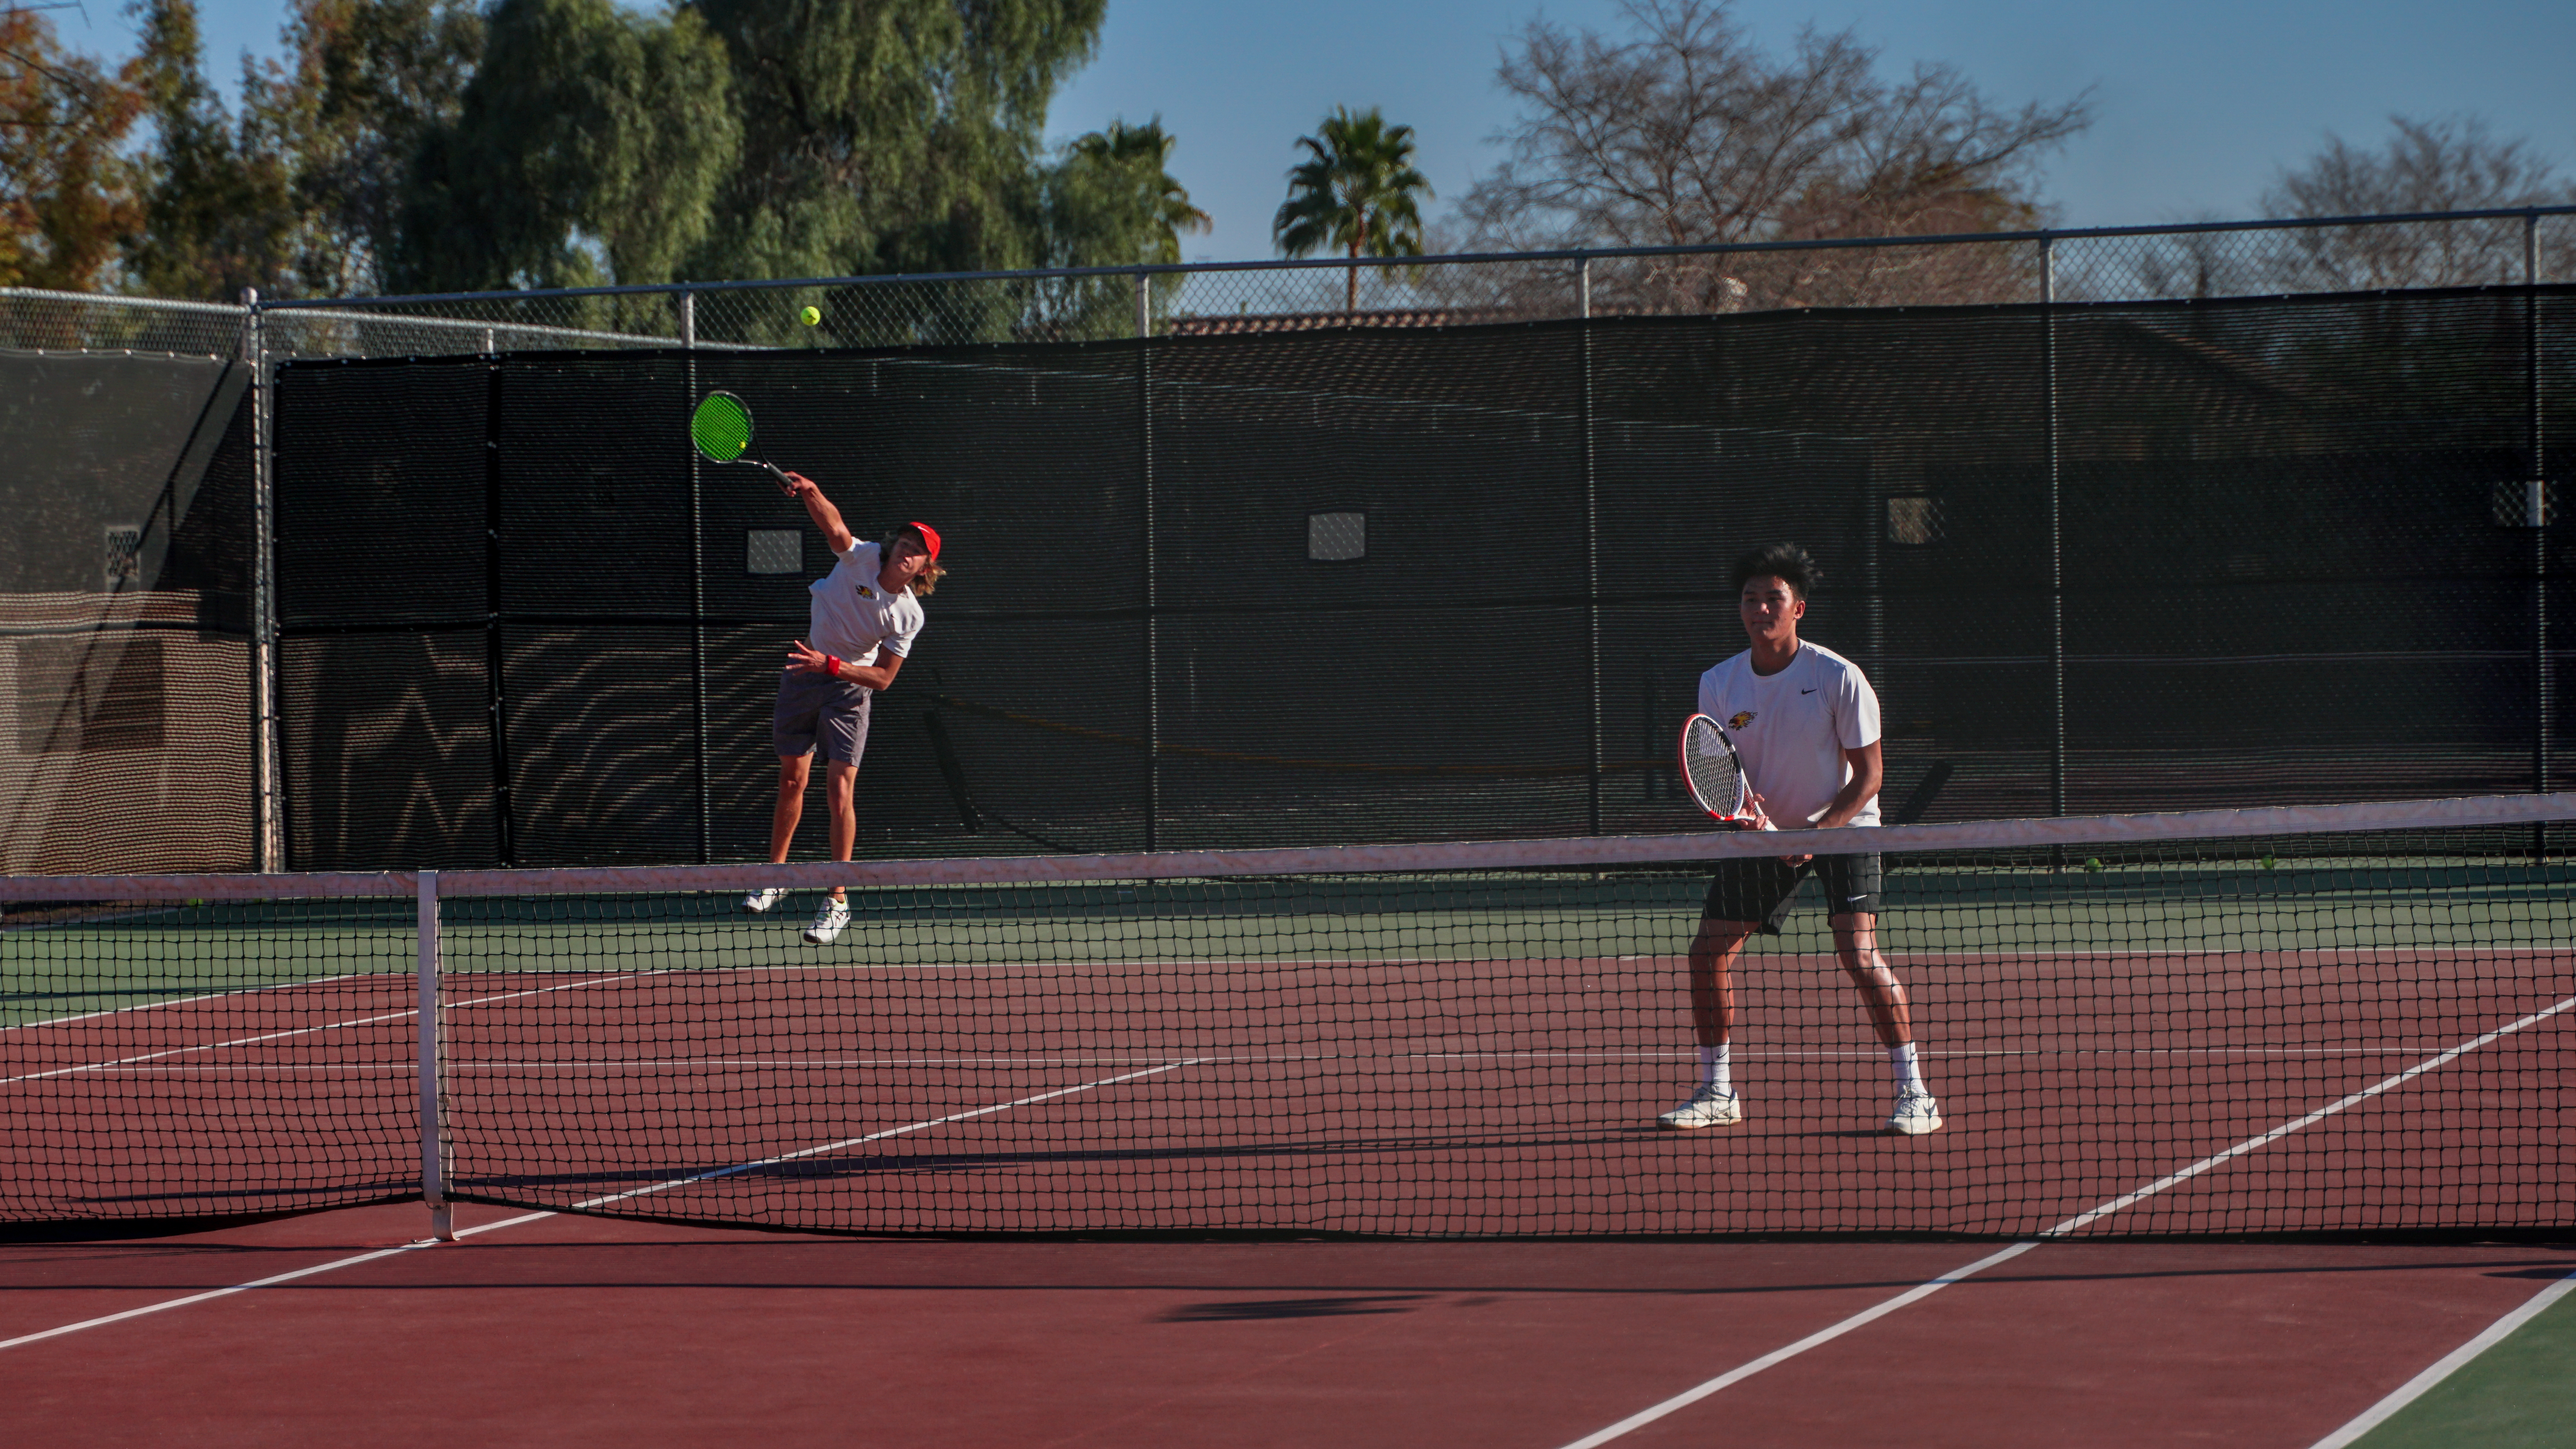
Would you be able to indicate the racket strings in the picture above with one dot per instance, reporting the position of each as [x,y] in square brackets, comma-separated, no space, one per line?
[721,427]
[1714,773]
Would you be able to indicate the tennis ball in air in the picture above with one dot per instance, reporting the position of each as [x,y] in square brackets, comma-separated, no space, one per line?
[811,316]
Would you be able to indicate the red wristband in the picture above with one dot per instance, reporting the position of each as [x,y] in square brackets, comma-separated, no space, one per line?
[832,665]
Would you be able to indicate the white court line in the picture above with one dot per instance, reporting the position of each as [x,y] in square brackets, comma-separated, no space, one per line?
[402,976]
[351,1262]
[2449,1364]
[2081,1220]
[873,1137]
[1733,1376]
[216,1046]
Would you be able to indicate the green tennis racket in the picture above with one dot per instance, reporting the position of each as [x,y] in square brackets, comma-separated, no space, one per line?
[721,428]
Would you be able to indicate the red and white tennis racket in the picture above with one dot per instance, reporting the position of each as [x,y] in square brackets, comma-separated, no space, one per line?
[1716,775]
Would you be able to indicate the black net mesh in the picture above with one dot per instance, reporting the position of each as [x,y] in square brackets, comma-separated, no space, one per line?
[125,615]
[1388,584]
[2354,1031]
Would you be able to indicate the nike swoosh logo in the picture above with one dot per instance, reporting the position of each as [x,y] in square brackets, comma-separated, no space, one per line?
[1810,691]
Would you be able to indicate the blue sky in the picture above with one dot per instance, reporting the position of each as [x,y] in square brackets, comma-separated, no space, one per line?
[2199,103]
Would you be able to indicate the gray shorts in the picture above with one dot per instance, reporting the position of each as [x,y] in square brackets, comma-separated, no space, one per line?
[814,707]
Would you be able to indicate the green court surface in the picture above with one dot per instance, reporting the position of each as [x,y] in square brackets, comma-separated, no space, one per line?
[2231,916]
[2519,1394]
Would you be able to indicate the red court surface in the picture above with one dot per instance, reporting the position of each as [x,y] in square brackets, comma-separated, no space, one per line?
[563,1330]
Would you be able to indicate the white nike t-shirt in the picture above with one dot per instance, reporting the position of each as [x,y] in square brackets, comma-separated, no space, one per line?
[852,614]
[1792,728]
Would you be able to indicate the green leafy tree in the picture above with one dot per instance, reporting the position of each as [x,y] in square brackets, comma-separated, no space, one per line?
[1122,178]
[217,213]
[431,145]
[366,83]
[904,135]
[66,191]
[587,150]
[1109,200]
[1357,191]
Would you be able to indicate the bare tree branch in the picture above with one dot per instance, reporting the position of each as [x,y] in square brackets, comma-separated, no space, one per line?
[1684,132]
[2451,164]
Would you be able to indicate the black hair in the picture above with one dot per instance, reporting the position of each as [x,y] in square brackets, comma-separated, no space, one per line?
[1784,561]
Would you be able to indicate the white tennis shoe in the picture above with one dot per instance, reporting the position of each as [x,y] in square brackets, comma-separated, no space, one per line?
[1916,1113]
[828,921]
[759,901]
[1708,1107]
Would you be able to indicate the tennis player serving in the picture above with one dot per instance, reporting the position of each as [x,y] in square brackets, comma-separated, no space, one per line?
[1806,723]
[864,616]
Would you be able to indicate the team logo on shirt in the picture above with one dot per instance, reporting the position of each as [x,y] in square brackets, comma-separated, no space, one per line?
[864,591]
[1742,718]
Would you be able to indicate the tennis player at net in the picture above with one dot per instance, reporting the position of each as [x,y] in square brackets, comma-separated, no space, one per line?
[864,616]
[1805,721]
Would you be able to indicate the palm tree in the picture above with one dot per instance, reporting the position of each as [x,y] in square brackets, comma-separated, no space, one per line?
[1143,153]
[1357,192]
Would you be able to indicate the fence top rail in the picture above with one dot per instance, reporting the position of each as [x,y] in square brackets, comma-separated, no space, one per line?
[1580,254]
[1503,855]
[119,299]
[541,331]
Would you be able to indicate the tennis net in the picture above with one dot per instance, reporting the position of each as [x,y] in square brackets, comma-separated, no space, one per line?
[2350,1019]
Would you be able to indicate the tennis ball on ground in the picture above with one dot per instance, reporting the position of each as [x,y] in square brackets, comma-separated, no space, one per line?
[811,316]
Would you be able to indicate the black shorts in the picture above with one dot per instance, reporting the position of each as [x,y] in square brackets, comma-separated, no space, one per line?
[1763,888]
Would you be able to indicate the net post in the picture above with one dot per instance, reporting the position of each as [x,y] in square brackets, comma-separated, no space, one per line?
[433,1136]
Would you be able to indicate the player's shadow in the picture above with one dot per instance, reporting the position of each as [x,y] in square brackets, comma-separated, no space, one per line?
[916,1164]
[1296,1308]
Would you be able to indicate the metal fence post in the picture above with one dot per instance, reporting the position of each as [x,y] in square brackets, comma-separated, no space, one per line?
[2056,540]
[495,646]
[1153,641]
[1591,552]
[2537,514]
[269,836]
[697,581]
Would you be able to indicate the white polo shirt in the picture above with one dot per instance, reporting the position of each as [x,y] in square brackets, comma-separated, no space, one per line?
[1792,728]
[852,614]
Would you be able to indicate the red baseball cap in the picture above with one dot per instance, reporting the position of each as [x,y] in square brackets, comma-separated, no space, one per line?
[929,538]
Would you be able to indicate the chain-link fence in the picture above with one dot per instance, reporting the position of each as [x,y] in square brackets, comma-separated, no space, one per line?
[2120,264]
[2117,264]
[145,445]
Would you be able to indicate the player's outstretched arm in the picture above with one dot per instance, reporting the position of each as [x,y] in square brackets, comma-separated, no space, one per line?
[820,509]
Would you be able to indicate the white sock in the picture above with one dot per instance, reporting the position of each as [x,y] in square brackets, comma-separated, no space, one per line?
[1713,1069]
[1900,1060]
